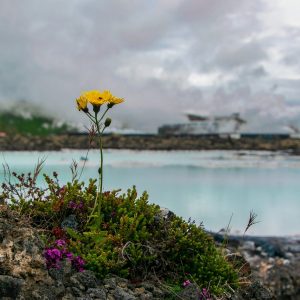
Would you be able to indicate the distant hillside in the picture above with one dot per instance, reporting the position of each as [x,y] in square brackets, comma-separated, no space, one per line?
[31,123]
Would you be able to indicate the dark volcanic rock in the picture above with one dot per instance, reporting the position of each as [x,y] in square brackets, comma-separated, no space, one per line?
[255,291]
[10,286]
[85,279]
[275,261]
[190,292]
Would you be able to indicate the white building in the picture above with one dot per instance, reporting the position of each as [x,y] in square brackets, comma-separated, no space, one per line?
[221,125]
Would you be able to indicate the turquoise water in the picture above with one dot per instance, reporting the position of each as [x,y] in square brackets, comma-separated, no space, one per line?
[208,186]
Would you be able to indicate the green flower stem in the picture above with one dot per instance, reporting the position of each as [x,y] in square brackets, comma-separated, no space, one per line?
[100,187]
[91,117]
[98,200]
[104,114]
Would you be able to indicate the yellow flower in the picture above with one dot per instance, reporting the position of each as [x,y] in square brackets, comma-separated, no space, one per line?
[97,98]
[116,100]
[94,97]
[81,103]
[111,99]
[106,95]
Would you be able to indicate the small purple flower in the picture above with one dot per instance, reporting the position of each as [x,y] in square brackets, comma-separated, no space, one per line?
[60,243]
[205,295]
[53,256]
[78,263]
[186,283]
[73,205]
[69,255]
[55,253]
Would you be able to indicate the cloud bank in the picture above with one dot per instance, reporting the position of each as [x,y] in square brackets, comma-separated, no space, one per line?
[163,57]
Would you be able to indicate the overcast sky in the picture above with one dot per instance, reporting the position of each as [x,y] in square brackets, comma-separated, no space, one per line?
[164,57]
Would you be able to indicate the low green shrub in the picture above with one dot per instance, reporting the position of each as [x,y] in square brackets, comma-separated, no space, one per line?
[134,240]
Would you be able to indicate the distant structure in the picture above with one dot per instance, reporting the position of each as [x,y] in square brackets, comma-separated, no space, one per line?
[295,131]
[211,125]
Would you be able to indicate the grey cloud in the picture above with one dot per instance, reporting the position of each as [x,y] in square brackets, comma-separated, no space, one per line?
[259,71]
[290,46]
[231,57]
[144,51]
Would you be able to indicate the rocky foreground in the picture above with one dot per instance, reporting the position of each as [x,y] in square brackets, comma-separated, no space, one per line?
[271,269]
[150,142]
[274,261]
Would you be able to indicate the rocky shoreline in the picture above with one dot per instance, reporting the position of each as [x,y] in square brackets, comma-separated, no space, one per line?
[274,261]
[270,264]
[149,142]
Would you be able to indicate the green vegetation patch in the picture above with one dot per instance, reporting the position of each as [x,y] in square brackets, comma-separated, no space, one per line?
[133,241]
[33,125]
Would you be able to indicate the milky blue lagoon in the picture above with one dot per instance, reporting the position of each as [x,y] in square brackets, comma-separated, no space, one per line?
[208,186]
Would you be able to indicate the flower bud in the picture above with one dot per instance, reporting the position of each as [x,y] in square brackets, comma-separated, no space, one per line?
[96,108]
[107,122]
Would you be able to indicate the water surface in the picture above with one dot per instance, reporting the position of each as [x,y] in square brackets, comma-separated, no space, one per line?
[208,186]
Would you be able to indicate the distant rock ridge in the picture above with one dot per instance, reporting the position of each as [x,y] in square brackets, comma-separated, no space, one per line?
[149,142]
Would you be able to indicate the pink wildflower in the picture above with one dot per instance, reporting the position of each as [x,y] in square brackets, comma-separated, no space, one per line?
[186,283]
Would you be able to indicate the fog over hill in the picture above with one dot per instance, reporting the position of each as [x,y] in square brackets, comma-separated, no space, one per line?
[23,117]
